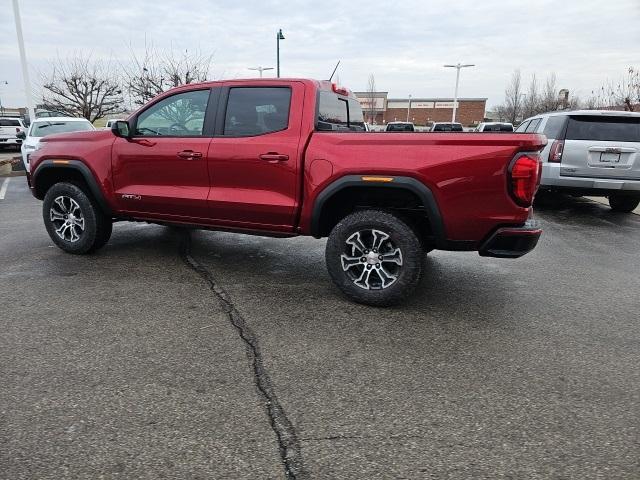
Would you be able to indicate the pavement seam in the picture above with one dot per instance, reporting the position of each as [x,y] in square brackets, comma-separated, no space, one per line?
[288,444]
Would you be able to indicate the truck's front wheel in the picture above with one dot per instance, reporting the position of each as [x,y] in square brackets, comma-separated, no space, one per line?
[73,220]
[374,257]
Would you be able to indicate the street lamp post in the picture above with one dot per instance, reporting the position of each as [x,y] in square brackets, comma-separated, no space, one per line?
[23,61]
[3,82]
[409,109]
[458,66]
[261,69]
[279,36]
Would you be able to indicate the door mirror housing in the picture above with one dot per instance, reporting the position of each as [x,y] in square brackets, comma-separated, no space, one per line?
[121,129]
[21,135]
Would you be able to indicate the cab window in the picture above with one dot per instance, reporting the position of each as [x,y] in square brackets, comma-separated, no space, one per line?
[180,115]
[257,110]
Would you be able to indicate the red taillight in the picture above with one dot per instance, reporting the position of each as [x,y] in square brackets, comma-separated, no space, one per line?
[555,154]
[17,130]
[524,178]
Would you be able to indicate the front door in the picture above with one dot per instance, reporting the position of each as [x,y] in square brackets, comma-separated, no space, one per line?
[162,172]
[254,158]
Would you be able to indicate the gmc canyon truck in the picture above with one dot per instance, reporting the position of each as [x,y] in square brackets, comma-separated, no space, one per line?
[286,157]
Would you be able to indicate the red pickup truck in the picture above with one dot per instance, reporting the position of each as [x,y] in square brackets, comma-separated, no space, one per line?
[285,157]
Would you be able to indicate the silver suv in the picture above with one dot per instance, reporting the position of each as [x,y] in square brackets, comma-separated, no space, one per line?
[591,152]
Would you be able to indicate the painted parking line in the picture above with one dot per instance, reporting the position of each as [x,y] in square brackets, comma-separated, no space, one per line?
[3,188]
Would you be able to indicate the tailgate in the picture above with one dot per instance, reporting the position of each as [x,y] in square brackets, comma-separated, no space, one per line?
[602,146]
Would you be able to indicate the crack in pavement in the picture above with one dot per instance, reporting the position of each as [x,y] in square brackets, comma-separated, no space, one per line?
[288,444]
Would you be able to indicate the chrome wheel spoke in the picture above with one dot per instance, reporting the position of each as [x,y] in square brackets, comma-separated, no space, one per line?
[54,215]
[385,277]
[356,242]
[378,238]
[60,203]
[348,262]
[395,257]
[363,280]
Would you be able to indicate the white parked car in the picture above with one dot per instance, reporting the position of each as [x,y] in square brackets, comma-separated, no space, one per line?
[494,127]
[446,127]
[9,129]
[46,126]
[110,123]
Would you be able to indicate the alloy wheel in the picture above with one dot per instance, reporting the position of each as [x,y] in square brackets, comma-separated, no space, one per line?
[371,260]
[67,218]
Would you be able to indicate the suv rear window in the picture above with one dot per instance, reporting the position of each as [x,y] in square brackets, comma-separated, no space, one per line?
[600,128]
[8,122]
[554,126]
[339,113]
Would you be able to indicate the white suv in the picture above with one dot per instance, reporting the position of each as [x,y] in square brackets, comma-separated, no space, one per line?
[9,128]
[591,152]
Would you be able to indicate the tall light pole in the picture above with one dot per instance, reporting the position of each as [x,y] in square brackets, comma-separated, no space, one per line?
[261,69]
[3,82]
[279,36]
[23,60]
[458,66]
[409,108]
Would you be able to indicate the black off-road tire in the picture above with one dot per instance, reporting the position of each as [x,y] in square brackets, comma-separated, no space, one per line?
[623,203]
[400,236]
[97,226]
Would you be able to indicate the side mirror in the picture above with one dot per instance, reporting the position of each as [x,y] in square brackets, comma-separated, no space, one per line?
[121,129]
[21,135]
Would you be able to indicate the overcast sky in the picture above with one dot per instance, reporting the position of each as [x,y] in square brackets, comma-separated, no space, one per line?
[404,44]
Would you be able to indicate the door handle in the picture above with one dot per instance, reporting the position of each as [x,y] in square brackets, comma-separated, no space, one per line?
[273,157]
[189,154]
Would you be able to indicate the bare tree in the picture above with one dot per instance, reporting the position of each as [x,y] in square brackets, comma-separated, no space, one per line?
[626,91]
[531,102]
[512,107]
[153,73]
[83,87]
[371,98]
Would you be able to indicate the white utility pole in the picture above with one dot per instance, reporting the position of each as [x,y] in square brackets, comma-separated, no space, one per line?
[23,60]
[261,69]
[458,66]
[409,109]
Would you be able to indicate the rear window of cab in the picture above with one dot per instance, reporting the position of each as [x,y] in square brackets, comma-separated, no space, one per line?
[337,113]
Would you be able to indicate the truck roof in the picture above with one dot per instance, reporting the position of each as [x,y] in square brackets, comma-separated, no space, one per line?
[319,84]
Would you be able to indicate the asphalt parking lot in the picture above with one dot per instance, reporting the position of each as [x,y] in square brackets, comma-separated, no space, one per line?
[172,354]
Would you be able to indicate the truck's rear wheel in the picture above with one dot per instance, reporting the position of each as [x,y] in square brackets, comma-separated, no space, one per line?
[623,203]
[374,257]
[73,220]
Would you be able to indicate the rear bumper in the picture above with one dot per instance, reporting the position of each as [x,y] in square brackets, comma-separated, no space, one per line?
[511,242]
[553,180]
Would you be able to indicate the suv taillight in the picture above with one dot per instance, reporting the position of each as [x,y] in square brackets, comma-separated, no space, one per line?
[524,178]
[17,130]
[555,154]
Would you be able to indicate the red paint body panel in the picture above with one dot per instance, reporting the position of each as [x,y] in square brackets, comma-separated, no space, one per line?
[231,187]
[465,171]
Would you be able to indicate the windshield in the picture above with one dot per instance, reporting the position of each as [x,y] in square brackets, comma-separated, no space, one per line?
[40,129]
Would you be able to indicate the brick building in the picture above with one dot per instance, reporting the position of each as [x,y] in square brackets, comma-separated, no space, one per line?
[378,109]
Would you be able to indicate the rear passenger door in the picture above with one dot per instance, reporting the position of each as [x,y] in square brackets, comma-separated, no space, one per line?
[602,146]
[254,159]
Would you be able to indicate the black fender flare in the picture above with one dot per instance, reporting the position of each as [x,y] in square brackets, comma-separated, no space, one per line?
[407,183]
[78,166]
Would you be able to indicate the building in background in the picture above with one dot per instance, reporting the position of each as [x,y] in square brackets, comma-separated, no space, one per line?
[378,109]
